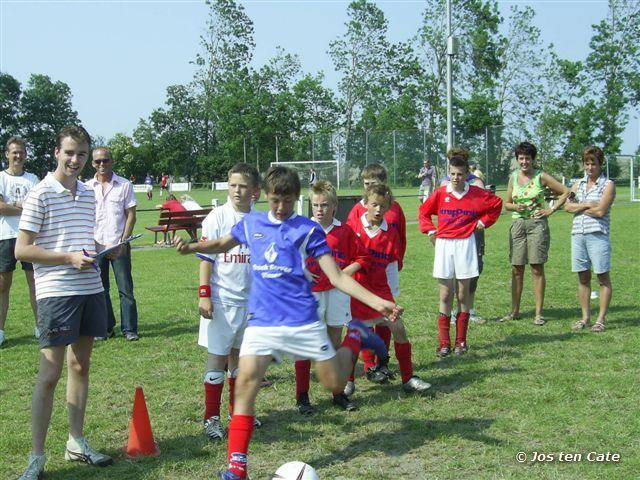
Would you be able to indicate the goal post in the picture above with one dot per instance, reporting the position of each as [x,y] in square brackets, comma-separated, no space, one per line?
[325,170]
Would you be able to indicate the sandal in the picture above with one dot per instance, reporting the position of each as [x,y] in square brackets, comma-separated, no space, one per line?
[598,327]
[508,317]
[539,320]
[580,324]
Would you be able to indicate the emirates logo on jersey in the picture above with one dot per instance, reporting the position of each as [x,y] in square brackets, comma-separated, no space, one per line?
[271,253]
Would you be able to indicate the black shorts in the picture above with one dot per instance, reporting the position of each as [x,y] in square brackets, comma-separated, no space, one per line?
[63,320]
[8,256]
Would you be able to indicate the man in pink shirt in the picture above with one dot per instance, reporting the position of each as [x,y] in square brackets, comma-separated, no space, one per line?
[115,219]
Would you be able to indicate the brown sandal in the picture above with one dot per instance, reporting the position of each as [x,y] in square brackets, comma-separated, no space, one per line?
[598,327]
[580,324]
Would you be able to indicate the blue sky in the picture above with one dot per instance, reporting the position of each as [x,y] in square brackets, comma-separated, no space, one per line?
[118,57]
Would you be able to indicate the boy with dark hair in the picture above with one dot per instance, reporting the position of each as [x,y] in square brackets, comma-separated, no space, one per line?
[461,209]
[282,310]
[225,280]
[56,225]
[382,244]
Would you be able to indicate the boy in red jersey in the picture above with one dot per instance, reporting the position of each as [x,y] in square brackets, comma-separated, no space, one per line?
[376,174]
[382,244]
[461,209]
[334,307]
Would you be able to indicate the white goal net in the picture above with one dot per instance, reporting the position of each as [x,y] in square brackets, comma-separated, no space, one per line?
[325,170]
[626,172]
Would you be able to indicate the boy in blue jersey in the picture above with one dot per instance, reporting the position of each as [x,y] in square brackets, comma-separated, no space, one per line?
[282,310]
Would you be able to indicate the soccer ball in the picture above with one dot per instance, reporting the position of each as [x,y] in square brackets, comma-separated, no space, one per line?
[296,471]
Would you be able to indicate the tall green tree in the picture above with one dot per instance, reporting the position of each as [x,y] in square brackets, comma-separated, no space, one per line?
[10,92]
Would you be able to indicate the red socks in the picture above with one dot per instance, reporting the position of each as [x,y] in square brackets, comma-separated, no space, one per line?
[240,430]
[303,374]
[443,329]
[232,391]
[368,358]
[403,354]
[462,322]
[212,396]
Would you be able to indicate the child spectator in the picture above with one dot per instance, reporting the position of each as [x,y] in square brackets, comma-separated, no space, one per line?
[225,280]
[461,209]
[334,307]
[282,310]
[382,244]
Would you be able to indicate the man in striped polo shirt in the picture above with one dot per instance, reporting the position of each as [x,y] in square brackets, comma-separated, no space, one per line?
[56,225]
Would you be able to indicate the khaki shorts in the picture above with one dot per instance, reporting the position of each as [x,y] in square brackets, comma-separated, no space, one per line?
[529,241]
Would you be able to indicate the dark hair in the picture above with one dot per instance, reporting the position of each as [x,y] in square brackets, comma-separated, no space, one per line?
[526,148]
[282,181]
[459,161]
[594,153]
[15,141]
[248,171]
[457,152]
[75,132]
[375,171]
[381,190]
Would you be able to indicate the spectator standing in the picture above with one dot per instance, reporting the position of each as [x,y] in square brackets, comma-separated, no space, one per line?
[164,183]
[55,227]
[15,184]
[115,219]
[529,237]
[427,176]
[148,181]
[590,202]
[312,177]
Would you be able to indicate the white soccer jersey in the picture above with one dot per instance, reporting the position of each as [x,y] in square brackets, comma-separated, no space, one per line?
[231,274]
[14,188]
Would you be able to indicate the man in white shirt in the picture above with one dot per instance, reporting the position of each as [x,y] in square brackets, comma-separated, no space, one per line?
[15,184]
[115,219]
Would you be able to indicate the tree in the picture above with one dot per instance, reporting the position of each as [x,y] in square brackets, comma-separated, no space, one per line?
[45,107]
[10,92]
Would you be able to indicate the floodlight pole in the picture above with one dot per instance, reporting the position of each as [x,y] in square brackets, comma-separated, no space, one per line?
[277,156]
[451,51]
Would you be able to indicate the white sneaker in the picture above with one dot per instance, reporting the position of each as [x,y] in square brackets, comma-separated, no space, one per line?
[35,468]
[349,388]
[1,337]
[213,428]
[78,450]
[475,318]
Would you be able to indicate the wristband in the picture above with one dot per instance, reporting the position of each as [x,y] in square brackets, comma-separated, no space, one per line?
[204,291]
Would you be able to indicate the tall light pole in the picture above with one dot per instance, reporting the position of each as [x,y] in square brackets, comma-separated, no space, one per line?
[452,49]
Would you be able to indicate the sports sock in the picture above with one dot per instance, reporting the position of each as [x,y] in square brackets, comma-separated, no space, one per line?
[462,322]
[232,391]
[443,329]
[403,354]
[240,430]
[212,395]
[384,333]
[352,342]
[368,358]
[303,374]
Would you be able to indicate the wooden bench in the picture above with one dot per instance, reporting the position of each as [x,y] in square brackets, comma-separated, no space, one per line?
[170,222]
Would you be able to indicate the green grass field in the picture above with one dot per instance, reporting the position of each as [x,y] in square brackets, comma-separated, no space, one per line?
[521,388]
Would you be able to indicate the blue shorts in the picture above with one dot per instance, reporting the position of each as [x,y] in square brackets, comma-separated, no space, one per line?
[591,250]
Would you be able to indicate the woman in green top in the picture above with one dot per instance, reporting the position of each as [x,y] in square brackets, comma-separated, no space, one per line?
[529,237]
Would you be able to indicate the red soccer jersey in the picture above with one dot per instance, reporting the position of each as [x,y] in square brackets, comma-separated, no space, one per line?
[394,217]
[382,248]
[345,249]
[458,217]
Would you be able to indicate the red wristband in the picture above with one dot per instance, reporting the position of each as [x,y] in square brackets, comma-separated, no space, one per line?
[204,291]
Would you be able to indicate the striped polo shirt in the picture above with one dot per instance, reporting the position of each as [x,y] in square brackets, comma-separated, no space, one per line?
[63,223]
[583,223]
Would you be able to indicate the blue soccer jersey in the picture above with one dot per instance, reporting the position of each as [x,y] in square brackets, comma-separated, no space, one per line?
[281,287]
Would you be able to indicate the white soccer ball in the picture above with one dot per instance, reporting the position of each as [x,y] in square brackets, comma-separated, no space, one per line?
[296,471]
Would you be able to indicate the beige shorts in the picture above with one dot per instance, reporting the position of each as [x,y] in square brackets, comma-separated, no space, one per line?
[529,241]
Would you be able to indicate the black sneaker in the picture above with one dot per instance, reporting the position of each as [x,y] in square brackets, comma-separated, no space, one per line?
[443,350]
[342,401]
[304,405]
[376,376]
[461,349]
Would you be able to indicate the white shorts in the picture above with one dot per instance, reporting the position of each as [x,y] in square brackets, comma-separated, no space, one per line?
[455,258]
[149,188]
[305,342]
[334,307]
[224,331]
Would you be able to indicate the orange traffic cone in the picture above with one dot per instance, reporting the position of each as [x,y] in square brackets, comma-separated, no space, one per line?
[141,441]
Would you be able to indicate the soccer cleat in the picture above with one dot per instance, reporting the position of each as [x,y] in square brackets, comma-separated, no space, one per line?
[35,469]
[376,376]
[368,339]
[383,367]
[475,318]
[229,475]
[443,350]
[416,384]
[342,401]
[131,336]
[78,450]
[213,428]
[461,349]
[349,388]
[257,423]
[304,405]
